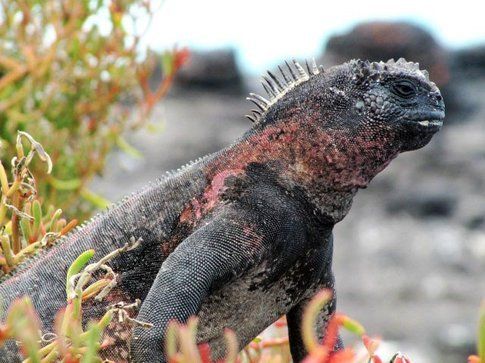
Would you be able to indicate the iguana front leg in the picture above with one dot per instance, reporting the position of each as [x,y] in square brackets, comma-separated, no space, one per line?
[224,247]
[295,317]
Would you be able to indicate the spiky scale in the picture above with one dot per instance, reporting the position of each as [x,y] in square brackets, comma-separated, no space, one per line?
[272,85]
[269,91]
[293,75]
[260,98]
[285,77]
[277,81]
[301,71]
[256,103]
[260,102]
[309,69]
[314,67]
[251,118]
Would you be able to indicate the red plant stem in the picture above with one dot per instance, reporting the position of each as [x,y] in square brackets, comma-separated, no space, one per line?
[331,334]
[161,91]
[16,246]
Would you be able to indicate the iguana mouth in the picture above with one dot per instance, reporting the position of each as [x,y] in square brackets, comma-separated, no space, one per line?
[426,123]
[431,123]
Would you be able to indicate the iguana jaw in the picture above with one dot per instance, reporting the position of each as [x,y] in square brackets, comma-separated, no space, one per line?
[429,122]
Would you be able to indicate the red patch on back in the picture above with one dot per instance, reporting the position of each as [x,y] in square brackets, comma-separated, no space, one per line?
[201,205]
[300,153]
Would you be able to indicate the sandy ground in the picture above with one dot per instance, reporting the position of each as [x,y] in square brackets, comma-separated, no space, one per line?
[410,256]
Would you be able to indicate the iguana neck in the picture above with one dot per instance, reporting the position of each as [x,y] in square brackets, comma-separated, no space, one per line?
[328,165]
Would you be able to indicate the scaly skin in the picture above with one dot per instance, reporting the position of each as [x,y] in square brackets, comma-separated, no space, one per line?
[244,235]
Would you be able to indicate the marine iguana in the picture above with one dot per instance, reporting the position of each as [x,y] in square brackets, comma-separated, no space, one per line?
[243,236]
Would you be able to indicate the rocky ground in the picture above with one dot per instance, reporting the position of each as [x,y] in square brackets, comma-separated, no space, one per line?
[410,256]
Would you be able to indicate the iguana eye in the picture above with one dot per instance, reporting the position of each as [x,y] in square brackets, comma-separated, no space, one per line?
[404,89]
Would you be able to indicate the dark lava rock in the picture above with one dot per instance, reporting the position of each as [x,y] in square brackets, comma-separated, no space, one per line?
[377,41]
[431,204]
[211,70]
[470,61]
[476,222]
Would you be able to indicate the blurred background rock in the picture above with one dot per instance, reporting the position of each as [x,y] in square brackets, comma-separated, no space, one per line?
[214,70]
[410,257]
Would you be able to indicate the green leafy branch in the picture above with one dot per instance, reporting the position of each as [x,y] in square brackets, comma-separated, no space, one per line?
[25,224]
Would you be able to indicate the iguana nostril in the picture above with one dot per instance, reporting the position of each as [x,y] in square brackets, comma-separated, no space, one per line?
[436,96]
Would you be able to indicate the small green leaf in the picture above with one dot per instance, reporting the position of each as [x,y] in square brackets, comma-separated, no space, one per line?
[351,325]
[3,179]
[481,333]
[25,228]
[37,214]
[127,148]
[77,266]
[95,199]
[315,305]
[71,184]
[167,62]
[171,335]
[92,344]
[24,324]
[7,250]
[156,128]
[55,216]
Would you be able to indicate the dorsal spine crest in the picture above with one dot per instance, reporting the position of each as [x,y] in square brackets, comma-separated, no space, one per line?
[276,87]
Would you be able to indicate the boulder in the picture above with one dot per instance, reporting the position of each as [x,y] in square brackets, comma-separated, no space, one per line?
[380,40]
[470,61]
[423,204]
[215,70]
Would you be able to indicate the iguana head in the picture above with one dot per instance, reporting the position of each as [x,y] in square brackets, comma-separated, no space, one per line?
[399,97]
[362,99]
